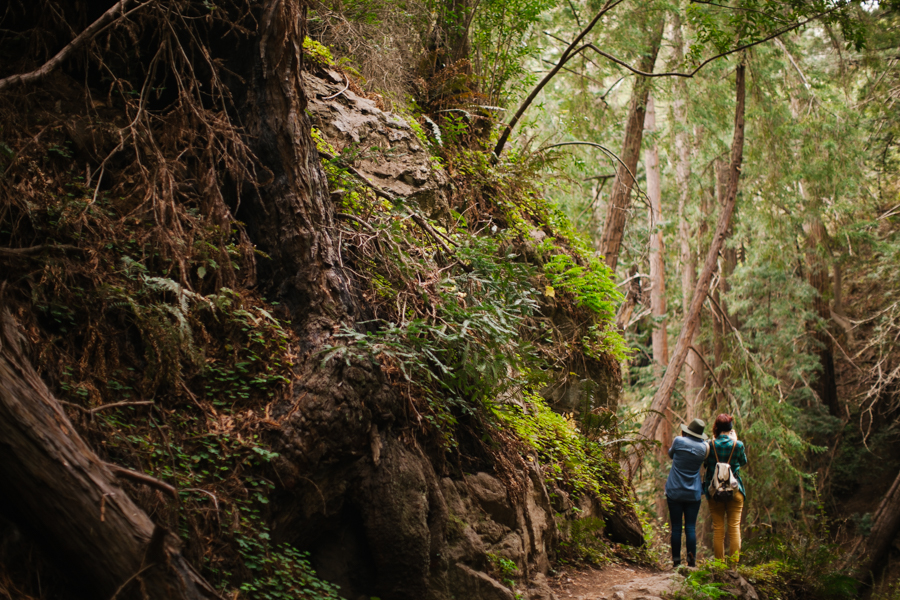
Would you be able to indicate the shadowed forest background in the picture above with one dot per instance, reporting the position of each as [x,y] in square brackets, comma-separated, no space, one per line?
[406,299]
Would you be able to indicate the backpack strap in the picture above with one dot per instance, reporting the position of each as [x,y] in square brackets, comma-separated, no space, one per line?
[733,446]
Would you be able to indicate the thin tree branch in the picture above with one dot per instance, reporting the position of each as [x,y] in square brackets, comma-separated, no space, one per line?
[608,152]
[713,373]
[118,404]
[566,55]
[576,73]
[140,572]
[710,59]
[346,87]
[106,19]
[740,339]
[123,473]
[355,219]
[574,13]
[562,41]
[32,250]
[737,8]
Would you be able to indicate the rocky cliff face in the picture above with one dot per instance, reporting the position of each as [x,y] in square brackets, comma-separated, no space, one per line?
[383,146]
[380,515]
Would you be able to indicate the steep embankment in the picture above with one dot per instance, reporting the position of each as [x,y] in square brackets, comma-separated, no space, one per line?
[352,362]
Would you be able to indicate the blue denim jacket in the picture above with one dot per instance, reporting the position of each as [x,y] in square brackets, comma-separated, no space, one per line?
[687,455]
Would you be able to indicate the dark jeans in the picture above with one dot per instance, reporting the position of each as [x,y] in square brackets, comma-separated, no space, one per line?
[688,510]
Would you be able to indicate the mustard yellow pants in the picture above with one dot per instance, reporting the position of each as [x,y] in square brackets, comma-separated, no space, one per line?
[732,511]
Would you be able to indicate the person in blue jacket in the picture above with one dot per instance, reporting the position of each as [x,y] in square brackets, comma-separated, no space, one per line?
[683,487]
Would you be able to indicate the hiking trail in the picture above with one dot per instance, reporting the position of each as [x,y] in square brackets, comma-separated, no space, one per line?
[614,582]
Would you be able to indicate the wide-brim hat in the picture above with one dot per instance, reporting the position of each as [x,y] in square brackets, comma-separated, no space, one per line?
[695,428]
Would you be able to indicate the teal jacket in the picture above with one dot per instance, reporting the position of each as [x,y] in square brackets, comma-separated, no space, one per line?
[723,445]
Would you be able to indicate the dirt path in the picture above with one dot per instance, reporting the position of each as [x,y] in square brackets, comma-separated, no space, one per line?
[613,582]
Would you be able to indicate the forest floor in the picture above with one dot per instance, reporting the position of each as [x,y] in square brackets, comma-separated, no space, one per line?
[614,582]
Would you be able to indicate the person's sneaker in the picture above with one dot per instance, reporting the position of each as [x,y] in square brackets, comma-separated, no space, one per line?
[691,560]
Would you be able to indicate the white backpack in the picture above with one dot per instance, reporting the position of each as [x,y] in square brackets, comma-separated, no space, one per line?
[724,484]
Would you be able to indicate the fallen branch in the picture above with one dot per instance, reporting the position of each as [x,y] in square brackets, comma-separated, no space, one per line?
[355,219]
[123,473]
[69,499]
[30,251]
[433,233]
[119,404]
[419,220]
[335,95]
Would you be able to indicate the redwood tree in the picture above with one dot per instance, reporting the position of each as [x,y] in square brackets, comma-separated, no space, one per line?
[620,194]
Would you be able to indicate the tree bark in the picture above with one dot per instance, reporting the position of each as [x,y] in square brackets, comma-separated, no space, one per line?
[633,297]
[291,216]
[695,378]
[819,278]
[885,528]
[57,489]
[729,261]
[657,247]
[664,393]
[658,335]
[620,195]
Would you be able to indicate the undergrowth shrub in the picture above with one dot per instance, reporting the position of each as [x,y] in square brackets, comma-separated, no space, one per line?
[799,563]
[790,566]
[470,350]
[586,542]
[457,307]
[568,459]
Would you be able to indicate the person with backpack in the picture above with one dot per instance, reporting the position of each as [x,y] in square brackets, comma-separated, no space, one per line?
[724,487]
[684,487]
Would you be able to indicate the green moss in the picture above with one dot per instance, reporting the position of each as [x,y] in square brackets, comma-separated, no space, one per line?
[317,51]
[570,461]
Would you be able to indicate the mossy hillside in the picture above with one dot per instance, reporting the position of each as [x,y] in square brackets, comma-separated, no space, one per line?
[456,310]
[145,298]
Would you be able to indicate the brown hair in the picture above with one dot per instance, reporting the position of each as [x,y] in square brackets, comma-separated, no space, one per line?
[723,423]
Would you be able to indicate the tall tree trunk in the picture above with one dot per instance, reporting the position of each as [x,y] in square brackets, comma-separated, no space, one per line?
[819,278]
[56,488]
[695,378]
[657,248]
[456,19]
[657,280]
[885,528]
[664,393]
[617,207]
[729,260]
[292,216]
